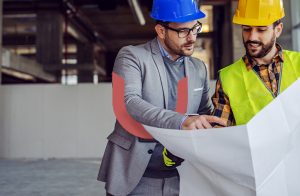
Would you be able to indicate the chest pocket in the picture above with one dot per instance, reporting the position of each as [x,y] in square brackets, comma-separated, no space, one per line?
[196,98]
[197,72]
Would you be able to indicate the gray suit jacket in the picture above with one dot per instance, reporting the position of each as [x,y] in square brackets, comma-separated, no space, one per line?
[146,97]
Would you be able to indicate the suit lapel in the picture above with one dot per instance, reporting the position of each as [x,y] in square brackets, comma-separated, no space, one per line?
[156,55]
[189,73]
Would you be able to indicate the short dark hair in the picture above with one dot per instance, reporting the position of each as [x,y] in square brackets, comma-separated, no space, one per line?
[277,22]
[163,23]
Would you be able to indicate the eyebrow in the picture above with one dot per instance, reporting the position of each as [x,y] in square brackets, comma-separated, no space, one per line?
[182,28]
[254,26]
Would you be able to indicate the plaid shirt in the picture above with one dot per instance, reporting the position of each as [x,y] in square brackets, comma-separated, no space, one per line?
[269,74]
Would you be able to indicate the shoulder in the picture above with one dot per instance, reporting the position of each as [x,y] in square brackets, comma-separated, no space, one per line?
[135,50]
[291,54]
[133,57]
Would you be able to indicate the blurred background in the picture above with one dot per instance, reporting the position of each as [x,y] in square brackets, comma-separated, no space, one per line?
[56,60]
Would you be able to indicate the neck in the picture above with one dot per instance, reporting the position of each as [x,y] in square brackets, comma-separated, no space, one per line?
[268,58]
[173,56]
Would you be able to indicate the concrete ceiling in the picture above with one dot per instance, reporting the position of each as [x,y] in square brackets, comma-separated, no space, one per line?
[110,24]
[114,22]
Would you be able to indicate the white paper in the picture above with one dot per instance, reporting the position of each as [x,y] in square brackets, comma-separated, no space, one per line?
[261,158]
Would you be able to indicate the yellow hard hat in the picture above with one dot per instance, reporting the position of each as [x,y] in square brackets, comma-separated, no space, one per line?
[258,12]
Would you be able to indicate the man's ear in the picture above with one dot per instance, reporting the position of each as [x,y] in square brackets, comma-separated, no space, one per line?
[160,30]
[278,29]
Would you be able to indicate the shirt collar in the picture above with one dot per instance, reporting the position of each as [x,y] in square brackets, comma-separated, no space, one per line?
[250,63]
[164,53]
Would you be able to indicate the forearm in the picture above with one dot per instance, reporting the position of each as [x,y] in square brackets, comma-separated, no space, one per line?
[148,114]
[222,107]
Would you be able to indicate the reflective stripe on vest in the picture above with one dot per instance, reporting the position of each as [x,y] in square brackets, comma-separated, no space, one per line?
[246,91]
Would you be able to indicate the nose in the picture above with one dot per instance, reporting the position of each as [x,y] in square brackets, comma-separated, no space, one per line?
[253,35]
[191,36]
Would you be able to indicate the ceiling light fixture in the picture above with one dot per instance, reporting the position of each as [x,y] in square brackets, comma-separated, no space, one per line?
[137,11]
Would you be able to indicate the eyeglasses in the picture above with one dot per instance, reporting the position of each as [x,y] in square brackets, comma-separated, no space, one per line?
[184,32]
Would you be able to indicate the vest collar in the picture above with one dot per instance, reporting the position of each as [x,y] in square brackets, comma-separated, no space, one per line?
[250,62]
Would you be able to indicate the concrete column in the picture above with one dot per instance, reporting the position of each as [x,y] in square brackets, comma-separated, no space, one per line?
[227,57]
[85,53]
[85,76]
[238,46]
[222,36]
[1,27]
[85,58]
[49,41]
[295,4]
[285,40]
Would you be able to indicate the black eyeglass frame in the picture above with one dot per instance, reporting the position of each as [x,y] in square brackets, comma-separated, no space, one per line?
[181,30]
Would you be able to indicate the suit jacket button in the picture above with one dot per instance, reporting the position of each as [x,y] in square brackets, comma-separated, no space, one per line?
[150,151]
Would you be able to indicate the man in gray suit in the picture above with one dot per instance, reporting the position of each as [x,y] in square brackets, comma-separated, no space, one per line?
[151,71]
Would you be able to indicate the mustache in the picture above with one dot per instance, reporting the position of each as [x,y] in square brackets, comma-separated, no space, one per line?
[190,42]
[253,42]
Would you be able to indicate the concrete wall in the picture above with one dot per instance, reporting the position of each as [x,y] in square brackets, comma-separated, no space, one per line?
[56,121]
[44,121]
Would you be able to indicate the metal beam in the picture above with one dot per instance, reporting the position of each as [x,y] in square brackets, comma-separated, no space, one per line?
[137,11]
[28,39]
[29,6]
[25,66]
[83,67]
[19,40]
[71,29]
[82,22]
[81,28]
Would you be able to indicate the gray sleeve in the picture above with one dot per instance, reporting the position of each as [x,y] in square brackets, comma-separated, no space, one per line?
[206,106]
[128,66]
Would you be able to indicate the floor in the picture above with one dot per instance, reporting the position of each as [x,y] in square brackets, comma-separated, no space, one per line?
[53,177]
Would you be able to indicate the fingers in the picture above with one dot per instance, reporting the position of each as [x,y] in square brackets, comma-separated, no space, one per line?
[202,122]
[199,124]
[196,122]
[189,123]
[206,124]
[214,119]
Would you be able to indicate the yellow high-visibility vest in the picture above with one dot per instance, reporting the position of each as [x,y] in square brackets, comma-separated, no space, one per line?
[246,91]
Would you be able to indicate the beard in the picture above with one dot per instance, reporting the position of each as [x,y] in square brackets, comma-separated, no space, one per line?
[185,49]
[259,53]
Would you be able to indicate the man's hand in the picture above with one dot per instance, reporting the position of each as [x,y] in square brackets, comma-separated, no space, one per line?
[202,122]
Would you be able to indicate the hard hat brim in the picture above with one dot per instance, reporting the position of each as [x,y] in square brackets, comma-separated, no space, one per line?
[182,19]
[254,22]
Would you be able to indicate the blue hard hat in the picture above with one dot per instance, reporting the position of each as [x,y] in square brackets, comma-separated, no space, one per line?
[176,10]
